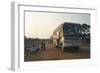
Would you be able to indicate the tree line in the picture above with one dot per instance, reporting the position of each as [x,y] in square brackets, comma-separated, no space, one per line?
[86,33]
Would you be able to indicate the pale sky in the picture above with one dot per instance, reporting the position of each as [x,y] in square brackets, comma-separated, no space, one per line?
[42,24]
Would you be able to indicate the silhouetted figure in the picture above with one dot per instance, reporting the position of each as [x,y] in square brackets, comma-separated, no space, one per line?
[43,45]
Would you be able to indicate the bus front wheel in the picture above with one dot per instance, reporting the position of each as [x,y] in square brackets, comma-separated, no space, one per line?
[62,47]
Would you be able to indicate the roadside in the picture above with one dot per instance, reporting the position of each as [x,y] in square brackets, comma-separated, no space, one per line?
[52,53]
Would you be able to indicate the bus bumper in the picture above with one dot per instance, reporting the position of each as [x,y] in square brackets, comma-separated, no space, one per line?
[72,44]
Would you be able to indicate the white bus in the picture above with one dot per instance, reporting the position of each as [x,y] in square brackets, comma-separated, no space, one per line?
[67,36]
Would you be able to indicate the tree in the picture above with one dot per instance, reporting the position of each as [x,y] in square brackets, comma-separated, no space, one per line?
[86,32]
[85,28]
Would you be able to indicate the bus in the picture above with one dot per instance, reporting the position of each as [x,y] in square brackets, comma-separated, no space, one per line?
[67,36]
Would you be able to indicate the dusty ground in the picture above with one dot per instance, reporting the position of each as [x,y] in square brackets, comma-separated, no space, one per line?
[53,53]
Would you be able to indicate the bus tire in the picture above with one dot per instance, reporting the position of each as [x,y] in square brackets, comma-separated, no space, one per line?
[62,47]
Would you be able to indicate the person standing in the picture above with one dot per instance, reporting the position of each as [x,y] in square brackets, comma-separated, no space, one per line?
[43,45]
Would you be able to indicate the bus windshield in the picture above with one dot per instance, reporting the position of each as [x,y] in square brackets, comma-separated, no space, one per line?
[72,29]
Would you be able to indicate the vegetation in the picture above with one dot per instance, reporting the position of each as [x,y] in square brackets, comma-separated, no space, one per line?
[86,33]
[33,42]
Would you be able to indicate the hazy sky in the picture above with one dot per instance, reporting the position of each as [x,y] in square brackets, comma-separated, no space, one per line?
[42,24]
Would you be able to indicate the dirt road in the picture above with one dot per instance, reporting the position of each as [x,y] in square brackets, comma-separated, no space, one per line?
[53,53]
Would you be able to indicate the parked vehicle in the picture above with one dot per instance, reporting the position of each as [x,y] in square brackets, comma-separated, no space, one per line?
[34,49]
[67,35]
